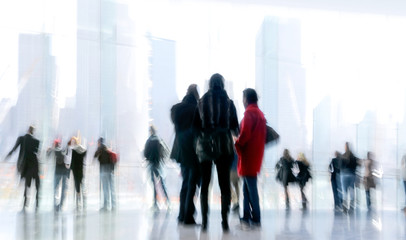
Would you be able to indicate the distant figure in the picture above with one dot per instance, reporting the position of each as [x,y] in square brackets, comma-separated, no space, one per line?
[303,176]
[216,116]
[77,154]
[284,174]
[250,147]
[369,178]
[403,172]
[334,169]
[27,164]
[62,172]
[106,176]
[349,165]
[155,153]
[184,153]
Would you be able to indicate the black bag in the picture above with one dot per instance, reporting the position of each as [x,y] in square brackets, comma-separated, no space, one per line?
[207,147]
[271,135]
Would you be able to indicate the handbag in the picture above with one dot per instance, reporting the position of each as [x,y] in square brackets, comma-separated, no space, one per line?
[271,135]
[207,147]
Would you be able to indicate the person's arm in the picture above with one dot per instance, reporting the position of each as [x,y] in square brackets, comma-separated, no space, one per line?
[18,143]
[246,127]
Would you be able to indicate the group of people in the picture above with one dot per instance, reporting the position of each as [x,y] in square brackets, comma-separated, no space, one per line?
[344,179]
[207,134]
[67,159]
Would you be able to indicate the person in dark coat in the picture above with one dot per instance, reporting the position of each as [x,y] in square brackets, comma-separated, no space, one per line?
[77,154]
[27,164]
[334,169]
[106,175]
[284,173]
[348,168]
[303,176]
[216,114]
[155,153]
[184,153]
[62,172]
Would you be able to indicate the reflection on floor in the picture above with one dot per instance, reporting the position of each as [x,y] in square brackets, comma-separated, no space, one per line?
[146,224]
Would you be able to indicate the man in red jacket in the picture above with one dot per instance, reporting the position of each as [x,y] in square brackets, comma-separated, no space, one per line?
[250,148]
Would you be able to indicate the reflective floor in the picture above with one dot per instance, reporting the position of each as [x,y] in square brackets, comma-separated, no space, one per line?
[147,224]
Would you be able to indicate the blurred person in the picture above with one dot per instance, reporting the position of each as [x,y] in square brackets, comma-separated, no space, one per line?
[349,165]
[250,147]
[334,169]
[184,153]
[303,177]
[155,153]
[235,185]
[62,173]
[369,178]
[106,175]
[27,163]
[284,174]
[403,173]
[77,153]
[216,117]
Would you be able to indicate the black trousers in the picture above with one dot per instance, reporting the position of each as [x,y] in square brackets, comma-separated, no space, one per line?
[32,176]
[223,165]
[187,209]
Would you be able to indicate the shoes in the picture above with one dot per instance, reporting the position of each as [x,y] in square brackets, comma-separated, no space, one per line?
[245,225]
[103,209]
[256,226]
[204,227]
[225,226]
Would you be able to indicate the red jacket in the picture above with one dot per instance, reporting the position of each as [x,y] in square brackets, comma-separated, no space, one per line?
[251,142]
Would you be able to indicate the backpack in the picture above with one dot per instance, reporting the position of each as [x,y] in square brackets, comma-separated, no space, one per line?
[113,156]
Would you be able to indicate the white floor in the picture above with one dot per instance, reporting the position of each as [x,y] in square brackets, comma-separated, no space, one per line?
[146,224]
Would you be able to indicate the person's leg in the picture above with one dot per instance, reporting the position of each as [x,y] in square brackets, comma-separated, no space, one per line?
[287,201]
[352,191]
[57,180]
[235,190]
[152,171]
[37,185]
[246,202]
[183,193]
[344,188]
[368,197]
[304,199]
[404,184]
[206,169]
[162,183]
[223,175]
[104,181]
[112,190]
[65,179]
[189,203]
[339,191]
[254,199]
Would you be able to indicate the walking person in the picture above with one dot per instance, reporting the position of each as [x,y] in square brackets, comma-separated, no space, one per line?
[61,176]
[369,179]
[284,174]
[335,178]
[27,163]
[184,153]
[216,118]
[250,146]
[77,154]
[303,176]
[348,174]
[106,176]
[155,153]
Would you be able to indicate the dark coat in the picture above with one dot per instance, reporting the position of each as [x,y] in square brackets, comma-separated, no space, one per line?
[349,163]
[27,163]
[60,154]
[304,173]
[183,150]
[284,172]
[77,163]
[216,113]
[154,152]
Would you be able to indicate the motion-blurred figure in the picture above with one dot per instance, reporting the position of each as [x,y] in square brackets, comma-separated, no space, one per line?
[334,169]
[106,175]
[77,154]
[216,116]
[369,179]
[184,153]
[284,174]
[303,176]
[155,153]
[27,164]
[349,165]
[235,186]
[62,172]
